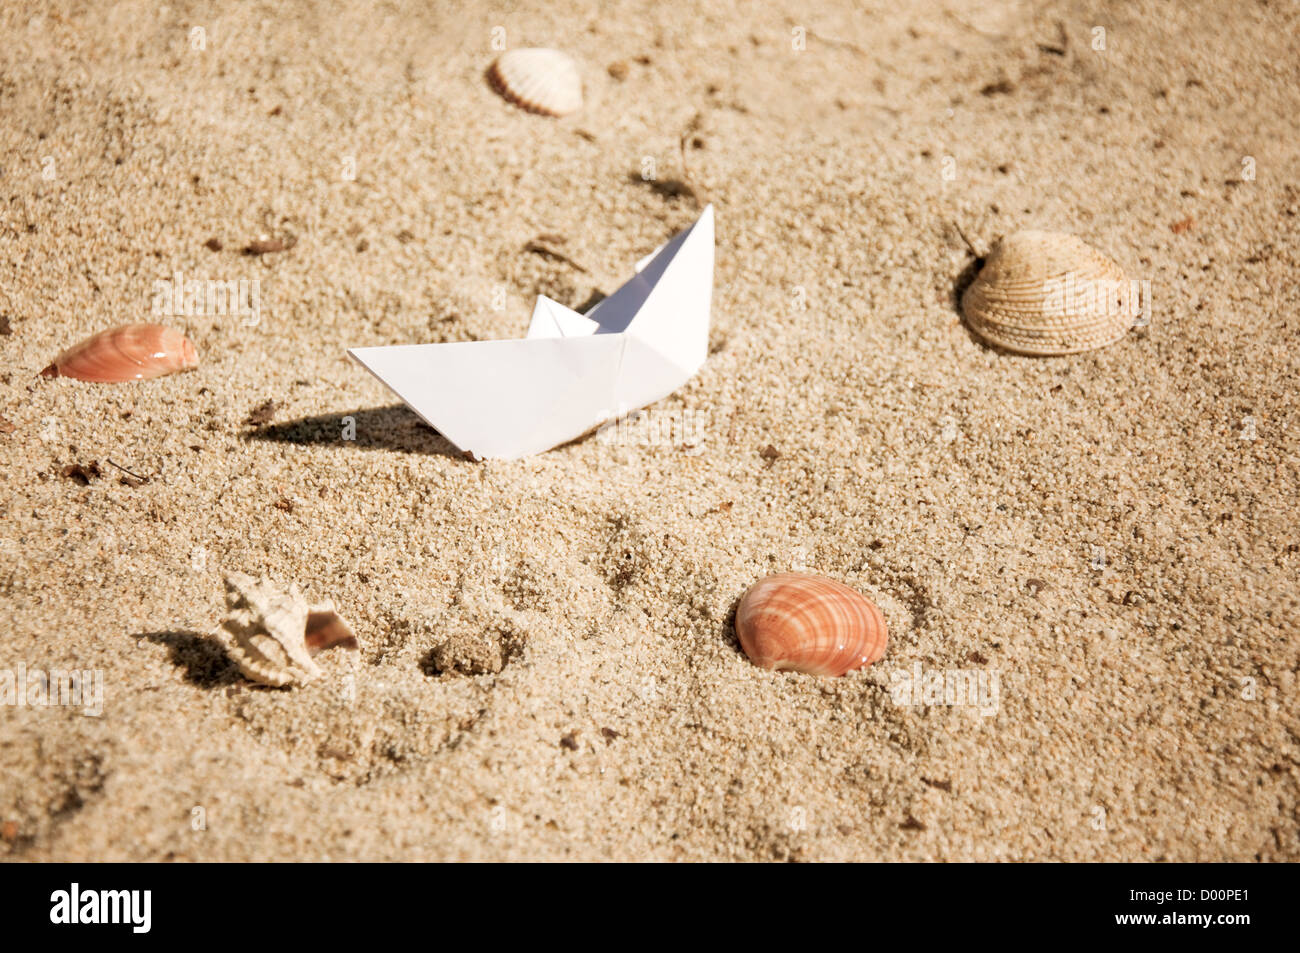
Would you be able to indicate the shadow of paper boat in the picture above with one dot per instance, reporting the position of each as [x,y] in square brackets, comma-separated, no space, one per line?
[393,427]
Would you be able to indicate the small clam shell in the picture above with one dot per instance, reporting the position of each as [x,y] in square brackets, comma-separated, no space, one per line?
[272,634]
[538,80]
[1049,293]
[132,352]
[803,623]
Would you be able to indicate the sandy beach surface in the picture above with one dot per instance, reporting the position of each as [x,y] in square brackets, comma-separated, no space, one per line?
[1107,543]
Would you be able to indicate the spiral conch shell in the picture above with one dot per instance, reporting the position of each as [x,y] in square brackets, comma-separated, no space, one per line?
[803,623]
[132,352]
[538,80]
[1049,293]
[272,635]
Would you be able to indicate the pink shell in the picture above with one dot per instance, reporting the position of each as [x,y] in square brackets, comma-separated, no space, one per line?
[132,352]
[811,624]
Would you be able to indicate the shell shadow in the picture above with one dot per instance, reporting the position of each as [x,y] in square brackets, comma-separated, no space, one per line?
[963,280]
[395,427]
[727,630]
[203,658]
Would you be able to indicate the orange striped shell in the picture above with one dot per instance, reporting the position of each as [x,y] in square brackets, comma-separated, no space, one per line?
[132,352]
[796,622]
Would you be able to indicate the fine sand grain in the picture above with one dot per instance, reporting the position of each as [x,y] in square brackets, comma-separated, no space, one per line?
[548,666]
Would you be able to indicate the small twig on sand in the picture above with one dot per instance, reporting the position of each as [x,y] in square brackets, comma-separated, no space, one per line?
[974,29]
[837,44]
[973,251]
[546,251]
[134,476]
[1061,46]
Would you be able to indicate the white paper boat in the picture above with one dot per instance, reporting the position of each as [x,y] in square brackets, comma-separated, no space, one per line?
[573,372]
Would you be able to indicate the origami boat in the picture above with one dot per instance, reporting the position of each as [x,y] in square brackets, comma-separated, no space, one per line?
[573,372]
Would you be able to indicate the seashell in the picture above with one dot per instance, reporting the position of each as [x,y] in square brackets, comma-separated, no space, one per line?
[132,352]
[538,80]
[803,623]
[1049,293]
[272,635]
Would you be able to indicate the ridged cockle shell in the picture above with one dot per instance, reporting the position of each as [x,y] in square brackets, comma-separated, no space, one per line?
[1049,293]
[804,623]
[132,352]
[538,80]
